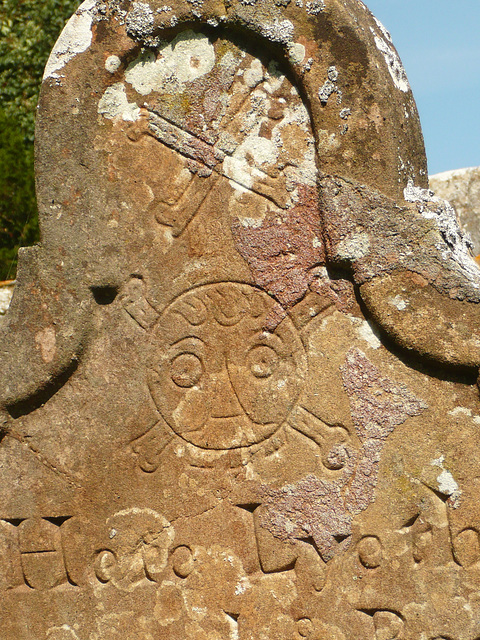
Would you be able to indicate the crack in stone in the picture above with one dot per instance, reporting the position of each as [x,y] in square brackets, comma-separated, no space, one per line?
[207,154]
[64,475]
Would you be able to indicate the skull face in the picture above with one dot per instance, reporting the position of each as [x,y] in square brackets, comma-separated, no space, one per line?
[219,379]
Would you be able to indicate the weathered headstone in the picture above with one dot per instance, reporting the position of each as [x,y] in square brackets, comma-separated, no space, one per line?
[238,374]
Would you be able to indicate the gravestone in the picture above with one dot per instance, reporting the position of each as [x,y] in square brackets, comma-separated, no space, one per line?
[238,374]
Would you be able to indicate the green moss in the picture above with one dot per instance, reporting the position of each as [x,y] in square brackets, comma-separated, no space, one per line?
[28,31]
[18,207]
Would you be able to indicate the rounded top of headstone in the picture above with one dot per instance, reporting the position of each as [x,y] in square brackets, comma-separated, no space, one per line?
[341,59]
[278,111]
[116,72]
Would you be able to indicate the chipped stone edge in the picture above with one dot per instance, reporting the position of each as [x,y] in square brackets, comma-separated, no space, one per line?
[447,483]
[394,65]
[75,38]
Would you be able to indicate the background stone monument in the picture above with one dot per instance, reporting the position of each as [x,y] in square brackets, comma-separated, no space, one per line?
[6,292]
[238,374]
[461,187]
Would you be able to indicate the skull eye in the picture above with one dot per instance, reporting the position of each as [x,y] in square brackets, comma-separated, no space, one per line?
[262,361]
[186,370]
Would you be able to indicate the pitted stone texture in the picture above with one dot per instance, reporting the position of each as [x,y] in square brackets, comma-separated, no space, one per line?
[202,434]
[462,188]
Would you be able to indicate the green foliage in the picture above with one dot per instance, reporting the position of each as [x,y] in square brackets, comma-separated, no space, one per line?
[28,31]
[18,222]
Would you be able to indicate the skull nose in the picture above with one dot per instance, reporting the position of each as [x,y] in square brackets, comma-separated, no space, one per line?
[225,403]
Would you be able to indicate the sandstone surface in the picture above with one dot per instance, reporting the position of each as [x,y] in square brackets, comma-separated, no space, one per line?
[238,389]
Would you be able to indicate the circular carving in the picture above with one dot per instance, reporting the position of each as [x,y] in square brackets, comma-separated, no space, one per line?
[105,563]
[466,548]
[182,561]
[186,370]
[337,457]
[305,627]
[262,361]
[218,377]
[370,552]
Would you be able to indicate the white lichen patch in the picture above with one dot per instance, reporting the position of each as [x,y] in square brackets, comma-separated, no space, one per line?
[278,31]
[368,333]
[274,77]
[353,247]
[296,53]
[140,20]
[326,91]
[114,103]
[308,65]
[447,484]
[188,57]
[459,411]
[74,39]
[244,165]
[254,74]
[412,193]
[332,73]
[250,223]
[329,86]
[64,632]
[179,450]
[302,167]
[398,302]
[315,7]
[242,585]
[457,245]
[385,32]
[112,64]
[393,62]
[290,143]
[464,411]
[328,141]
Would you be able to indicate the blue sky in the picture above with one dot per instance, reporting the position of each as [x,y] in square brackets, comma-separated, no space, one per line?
[439,43]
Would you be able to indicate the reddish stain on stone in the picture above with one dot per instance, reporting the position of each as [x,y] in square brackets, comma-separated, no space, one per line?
[281,253]
[377,406]
[323,509]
